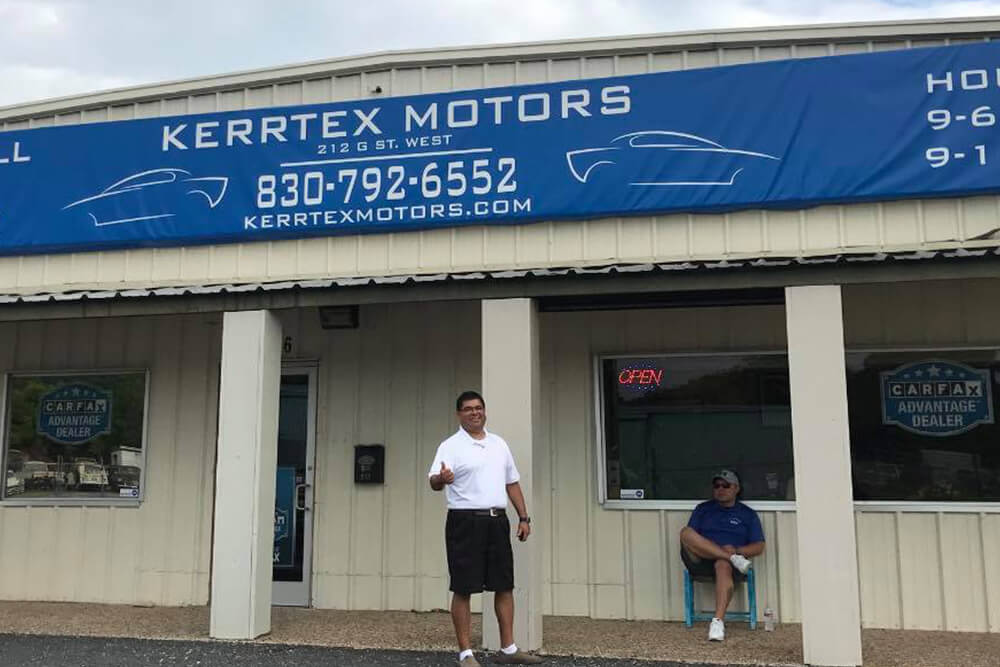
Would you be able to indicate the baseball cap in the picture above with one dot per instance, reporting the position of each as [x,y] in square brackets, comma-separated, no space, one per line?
[727,476]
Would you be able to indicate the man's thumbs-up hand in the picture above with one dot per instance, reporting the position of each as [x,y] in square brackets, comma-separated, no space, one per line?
[446,475]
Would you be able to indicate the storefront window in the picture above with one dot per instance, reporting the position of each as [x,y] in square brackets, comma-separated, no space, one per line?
[669,422]
[923,425]
[74,436]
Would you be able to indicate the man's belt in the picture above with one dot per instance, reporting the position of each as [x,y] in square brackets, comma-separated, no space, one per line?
[491,511]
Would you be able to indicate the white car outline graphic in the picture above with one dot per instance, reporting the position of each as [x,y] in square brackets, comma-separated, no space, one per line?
[108,202]
[584,161]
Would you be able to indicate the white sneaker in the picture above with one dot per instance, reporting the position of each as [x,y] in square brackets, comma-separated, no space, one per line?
[717,630]
[740,562]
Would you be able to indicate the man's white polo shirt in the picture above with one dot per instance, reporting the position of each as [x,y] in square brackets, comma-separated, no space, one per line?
[483,469]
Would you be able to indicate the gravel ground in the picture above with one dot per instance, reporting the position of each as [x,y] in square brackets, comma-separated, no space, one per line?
[299,629]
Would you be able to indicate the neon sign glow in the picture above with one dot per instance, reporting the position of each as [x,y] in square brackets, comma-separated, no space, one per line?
[646,378]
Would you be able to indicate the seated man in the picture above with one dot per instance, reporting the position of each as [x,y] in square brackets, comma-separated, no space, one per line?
[723,534]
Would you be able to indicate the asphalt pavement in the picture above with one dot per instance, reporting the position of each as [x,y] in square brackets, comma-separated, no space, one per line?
[52,651]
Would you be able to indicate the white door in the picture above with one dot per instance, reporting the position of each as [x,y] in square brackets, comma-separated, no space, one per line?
[292,567]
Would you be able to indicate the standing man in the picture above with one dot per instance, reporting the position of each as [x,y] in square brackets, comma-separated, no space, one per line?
[477,470]
[722,534]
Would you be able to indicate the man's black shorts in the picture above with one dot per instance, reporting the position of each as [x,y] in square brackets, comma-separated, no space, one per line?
[704,567]
[479,553]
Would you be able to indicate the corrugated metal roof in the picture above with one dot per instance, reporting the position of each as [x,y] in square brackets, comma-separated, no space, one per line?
[566,48]
[329,283]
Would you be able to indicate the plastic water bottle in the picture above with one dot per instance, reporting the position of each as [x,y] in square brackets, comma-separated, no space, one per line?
[769,619]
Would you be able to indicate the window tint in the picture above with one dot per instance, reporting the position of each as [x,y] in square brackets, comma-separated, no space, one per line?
[74,436]
[923,425]
[669,422]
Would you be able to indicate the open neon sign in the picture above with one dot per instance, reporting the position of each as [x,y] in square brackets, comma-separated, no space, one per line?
[641,378]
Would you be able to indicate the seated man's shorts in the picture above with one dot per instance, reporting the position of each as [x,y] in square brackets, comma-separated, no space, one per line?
[479,553]
[704,567]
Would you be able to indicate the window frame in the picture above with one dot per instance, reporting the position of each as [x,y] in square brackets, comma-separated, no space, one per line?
[76,501]
[935,507]
[678,504]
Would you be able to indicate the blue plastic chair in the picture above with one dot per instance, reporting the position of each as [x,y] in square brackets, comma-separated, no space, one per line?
[690,615]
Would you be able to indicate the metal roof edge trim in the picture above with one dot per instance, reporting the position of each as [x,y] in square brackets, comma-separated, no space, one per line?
[855,31]
[580,271]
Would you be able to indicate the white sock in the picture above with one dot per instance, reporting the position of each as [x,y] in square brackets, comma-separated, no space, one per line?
[464,654]
[510,650]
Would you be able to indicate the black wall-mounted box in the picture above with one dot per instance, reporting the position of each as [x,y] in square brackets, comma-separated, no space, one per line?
[369,464]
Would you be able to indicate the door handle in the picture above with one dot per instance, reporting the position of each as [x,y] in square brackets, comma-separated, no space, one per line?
[302,507]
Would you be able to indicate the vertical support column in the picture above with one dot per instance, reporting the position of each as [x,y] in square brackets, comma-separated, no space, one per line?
[245,475]
[511,390]
[828,565]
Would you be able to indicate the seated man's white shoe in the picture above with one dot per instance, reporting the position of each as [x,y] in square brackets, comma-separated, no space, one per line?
[740,562]
[717,630]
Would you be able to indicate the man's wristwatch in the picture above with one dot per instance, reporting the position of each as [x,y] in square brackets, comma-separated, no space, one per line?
[524,519]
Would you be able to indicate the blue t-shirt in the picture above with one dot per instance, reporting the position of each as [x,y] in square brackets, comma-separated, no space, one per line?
[737,525]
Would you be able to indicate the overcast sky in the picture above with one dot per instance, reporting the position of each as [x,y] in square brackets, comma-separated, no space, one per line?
[52,48]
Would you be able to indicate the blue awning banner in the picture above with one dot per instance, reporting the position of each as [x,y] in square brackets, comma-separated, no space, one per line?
[785,134]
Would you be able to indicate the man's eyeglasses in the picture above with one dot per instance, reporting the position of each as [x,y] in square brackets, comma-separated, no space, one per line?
[721,485]
[468,409]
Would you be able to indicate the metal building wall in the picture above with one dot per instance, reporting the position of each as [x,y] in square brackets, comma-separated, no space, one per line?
[824,230]
[930,569]
[392,381]
[154,554]
[613,563]
[920,568]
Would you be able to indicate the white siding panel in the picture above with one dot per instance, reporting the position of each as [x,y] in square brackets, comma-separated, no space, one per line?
[392,381]
[632,64]
[435,247]
[533,244]
[738,56]
[673,238]
[963,573]
[920,572]
[600,66]
[501,247]
[437,79]
[699,59]
[279,259]
[878,569]
[315,91]
[861,226]
[789,604]
[468,77]
[941,221]
[979,216]
[745,233]
[157,553]
[647,566]
[500,74]
[166,265]
[709,236]
[990,526]
[848,48]
[902,223]
[822,229]
[927,313]
[566,70]
[204,103]
[765,53]
[783,229]
[668,62]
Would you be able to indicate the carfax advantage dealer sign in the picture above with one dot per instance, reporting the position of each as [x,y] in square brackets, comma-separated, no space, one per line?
[796,133]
